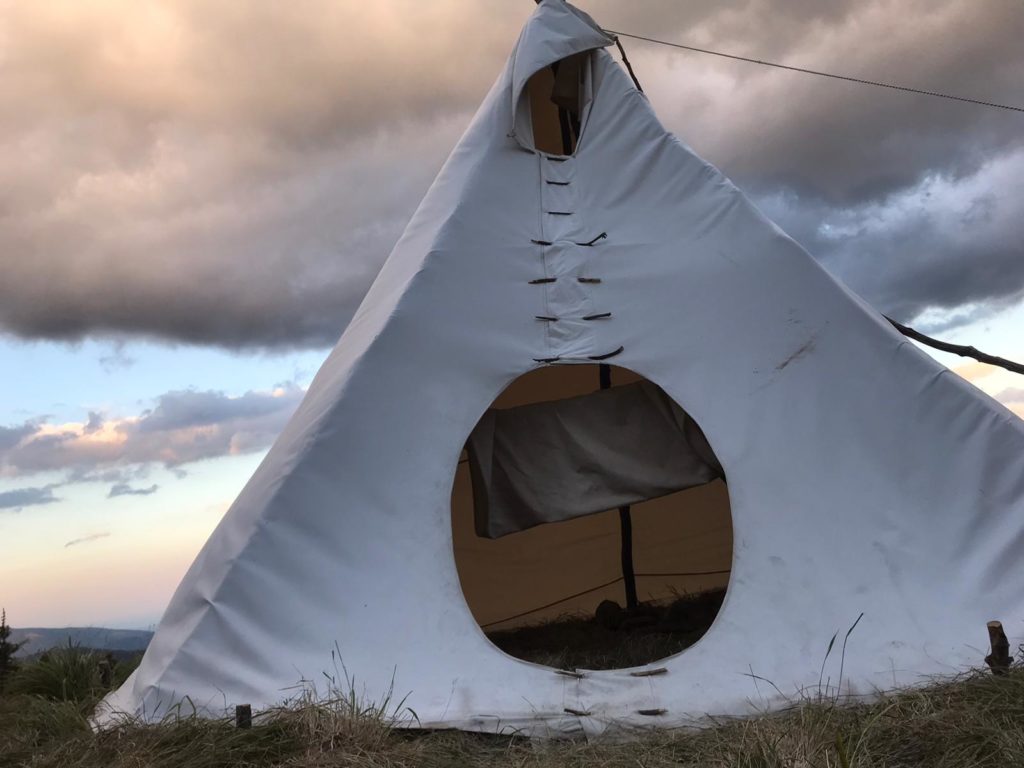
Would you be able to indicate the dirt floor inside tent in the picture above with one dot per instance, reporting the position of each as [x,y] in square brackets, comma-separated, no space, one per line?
[614,638]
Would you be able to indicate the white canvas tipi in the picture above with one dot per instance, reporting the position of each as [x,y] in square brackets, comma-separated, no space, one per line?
[863,477]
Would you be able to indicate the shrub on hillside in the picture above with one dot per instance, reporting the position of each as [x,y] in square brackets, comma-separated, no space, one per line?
[7,651]
[72,674]
[62,674]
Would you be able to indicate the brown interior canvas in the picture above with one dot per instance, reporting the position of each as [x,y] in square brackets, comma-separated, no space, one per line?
[548,92]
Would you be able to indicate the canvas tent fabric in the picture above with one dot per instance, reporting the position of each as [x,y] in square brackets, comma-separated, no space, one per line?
[556,460]
[863,477]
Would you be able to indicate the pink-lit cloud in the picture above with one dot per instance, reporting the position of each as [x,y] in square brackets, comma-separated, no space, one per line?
[182,427]
[1013,399]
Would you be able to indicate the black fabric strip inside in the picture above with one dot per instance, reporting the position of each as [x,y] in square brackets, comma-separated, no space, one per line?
[542,280]
[560,213]
[558,183]
[600,316]
[566,127]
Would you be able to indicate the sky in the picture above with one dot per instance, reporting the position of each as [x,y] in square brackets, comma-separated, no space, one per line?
[194,197]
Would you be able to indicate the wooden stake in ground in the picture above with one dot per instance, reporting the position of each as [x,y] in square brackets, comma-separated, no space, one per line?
[999,659]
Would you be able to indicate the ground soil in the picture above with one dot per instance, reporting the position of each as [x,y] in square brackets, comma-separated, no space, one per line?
[613,638]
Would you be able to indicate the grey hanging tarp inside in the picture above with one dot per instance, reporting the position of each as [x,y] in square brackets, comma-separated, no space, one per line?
[553,461]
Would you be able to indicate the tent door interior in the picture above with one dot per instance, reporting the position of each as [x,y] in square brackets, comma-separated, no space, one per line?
[557,98]
[538,503]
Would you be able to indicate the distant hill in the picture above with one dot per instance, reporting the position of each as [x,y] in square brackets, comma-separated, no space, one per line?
[39,639]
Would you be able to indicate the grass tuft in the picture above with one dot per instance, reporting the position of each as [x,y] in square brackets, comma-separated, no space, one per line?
[973,721]
[71,674]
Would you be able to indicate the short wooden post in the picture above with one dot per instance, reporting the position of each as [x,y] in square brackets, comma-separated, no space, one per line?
[999,659]
[243,716]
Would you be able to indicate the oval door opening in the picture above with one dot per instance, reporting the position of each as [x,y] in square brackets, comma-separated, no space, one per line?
[591,521]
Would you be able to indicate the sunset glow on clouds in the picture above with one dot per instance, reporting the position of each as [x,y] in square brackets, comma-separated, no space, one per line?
[195,196]
[183,427]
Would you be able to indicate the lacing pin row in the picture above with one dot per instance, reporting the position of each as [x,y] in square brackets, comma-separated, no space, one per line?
[607,356]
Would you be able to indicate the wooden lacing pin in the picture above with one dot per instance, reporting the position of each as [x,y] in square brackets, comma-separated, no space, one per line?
[649,672]
[607,355]
[577,712]
[651,712]
[569,672]
[589,243]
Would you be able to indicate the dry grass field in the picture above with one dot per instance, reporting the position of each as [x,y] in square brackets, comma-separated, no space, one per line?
[976,720]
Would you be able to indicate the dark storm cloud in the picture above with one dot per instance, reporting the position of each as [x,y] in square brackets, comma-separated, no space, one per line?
[915,202]
[11,436]
[190,408]
[183,427]
[94,424]
[844,142]
[86,539]
[27,497]
[235,175]
[954,245]
[123,489]
[118,360]
[115,475]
